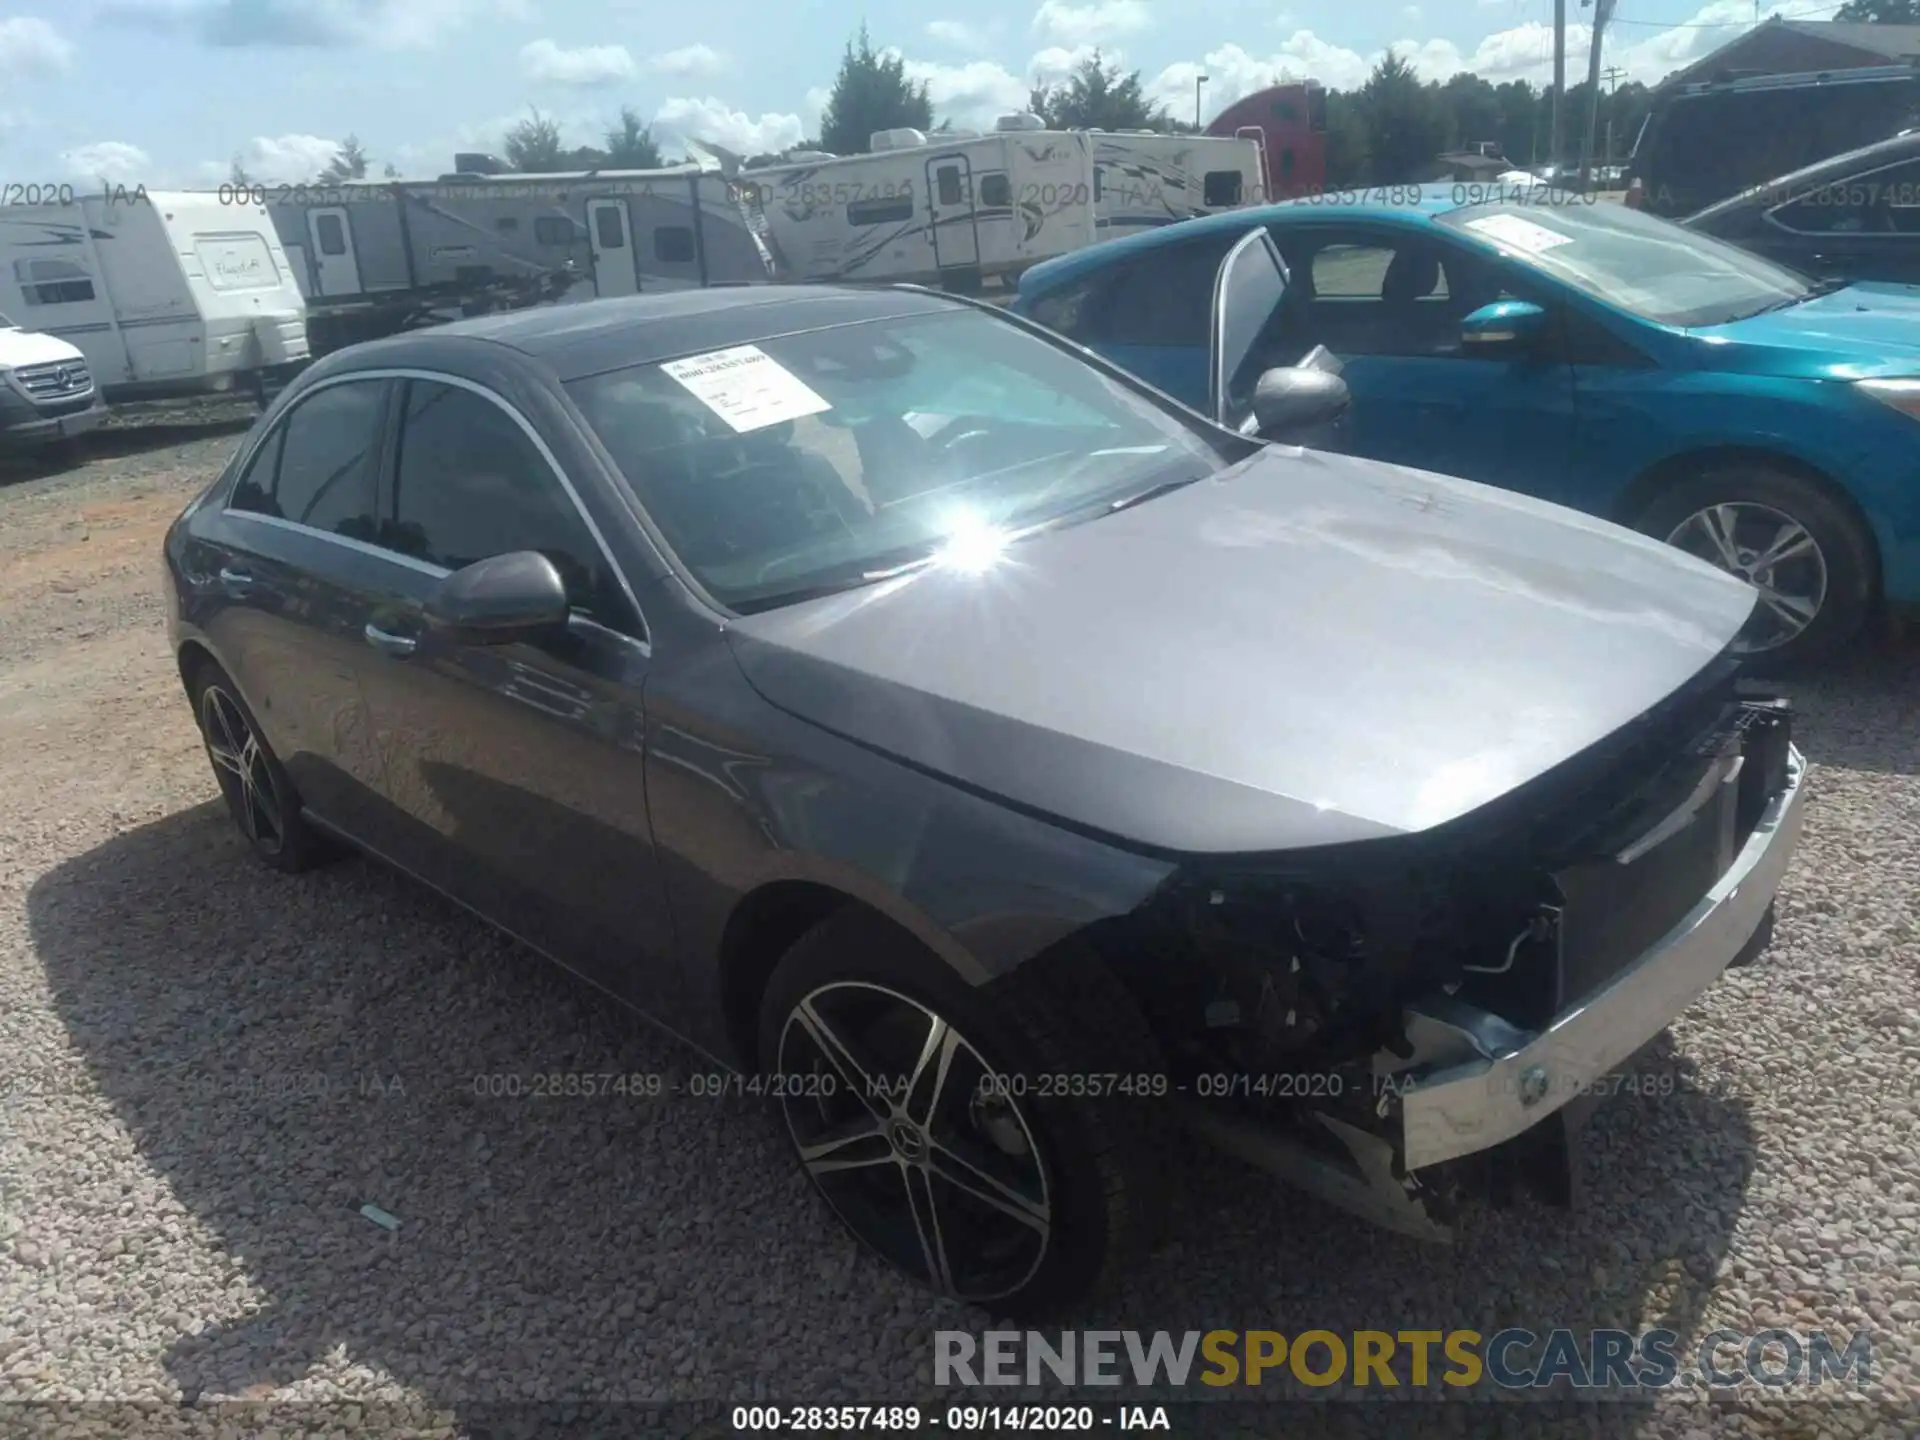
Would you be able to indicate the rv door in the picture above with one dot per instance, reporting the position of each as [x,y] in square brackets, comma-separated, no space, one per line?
[336,269]
[956,241]
[614,272]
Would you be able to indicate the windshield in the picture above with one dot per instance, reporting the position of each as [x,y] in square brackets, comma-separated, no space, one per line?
[1639,263]
[832,458]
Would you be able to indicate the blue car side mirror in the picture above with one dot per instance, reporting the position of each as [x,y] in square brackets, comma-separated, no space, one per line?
[1503,325]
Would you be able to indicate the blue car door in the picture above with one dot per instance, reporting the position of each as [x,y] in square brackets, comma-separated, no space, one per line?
[1389,302]
[1153,318]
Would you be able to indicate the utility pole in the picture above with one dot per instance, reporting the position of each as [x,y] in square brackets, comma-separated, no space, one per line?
[1602,13]
[1559,80]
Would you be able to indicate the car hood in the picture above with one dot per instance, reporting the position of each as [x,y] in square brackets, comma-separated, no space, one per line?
[1305,649]
[1858,333]
[29,347]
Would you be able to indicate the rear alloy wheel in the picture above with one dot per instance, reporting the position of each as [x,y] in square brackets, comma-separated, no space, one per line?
[1810,559]
[259,795]
[896,1118]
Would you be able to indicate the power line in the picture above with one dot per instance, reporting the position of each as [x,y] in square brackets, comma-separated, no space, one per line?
[1824,14]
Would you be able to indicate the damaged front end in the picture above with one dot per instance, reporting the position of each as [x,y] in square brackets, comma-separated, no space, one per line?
[1391,1023]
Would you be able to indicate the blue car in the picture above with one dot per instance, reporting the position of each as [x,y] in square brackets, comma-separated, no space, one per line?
[1580,351]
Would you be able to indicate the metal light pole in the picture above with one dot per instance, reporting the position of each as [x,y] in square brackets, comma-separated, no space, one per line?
[1559,80]
[1198,81]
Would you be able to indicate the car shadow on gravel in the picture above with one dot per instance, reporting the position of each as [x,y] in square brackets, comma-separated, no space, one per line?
[286,1050]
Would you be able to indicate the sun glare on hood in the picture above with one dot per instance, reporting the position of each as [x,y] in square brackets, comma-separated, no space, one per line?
[972,546]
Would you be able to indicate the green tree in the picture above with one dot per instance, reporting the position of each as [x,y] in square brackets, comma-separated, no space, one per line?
[390,172]
[350,163]
[237,174]
[1471,109]
[630,144]
[534,145]
[1881,12]
[1097,97]
[1346,140]
[870,94]
[1405,128]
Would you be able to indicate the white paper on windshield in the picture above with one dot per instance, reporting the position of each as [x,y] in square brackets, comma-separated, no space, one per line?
[746,387]
[1519,232]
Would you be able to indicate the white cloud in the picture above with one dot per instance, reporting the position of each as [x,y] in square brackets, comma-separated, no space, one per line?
[1056,62]
[957,33]
[814,109]
[32,49]
[113,161]
[689,60]
[682,118]
[1084,24]
[381,24]
[285,159]
[546,63]
[973,95]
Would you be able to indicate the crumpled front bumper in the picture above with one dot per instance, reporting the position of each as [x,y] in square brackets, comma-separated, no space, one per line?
[1513,1086]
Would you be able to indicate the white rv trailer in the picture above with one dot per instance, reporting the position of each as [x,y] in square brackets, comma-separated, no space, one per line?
[1143,179]
[621,232]
[165,293]
[936,209]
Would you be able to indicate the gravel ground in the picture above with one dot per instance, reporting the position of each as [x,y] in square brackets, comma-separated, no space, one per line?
[210,1068]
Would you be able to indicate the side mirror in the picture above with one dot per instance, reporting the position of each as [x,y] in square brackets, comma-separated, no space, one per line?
[1505,325]
[1292,400]
[501,600]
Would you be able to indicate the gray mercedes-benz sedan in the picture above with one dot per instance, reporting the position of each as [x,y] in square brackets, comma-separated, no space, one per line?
[992,761]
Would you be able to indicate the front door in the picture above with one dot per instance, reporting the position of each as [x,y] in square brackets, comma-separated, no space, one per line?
[1389,305]
[956,239]
[517,770]
[336,269]
[614,270]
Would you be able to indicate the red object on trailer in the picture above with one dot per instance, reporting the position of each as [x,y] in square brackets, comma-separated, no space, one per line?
[1290,122]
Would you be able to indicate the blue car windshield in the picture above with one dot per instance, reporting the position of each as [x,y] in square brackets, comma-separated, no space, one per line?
[1636,262]
[832,458]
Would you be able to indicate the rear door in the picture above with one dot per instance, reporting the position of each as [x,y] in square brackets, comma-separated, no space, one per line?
[295,568]
[614,269]
[516,770]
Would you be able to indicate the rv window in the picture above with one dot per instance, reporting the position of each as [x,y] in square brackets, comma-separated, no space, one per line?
[673,244]
[52,282]
[1222,189]
[468,484]
[1099,183]
[948,179]
[506,224]
[609,227]
[331,233]
[995,192]
[554,230]
[880,212]
[323,473]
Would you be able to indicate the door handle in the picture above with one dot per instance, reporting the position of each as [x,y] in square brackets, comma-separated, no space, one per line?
[235,579]
[387,643]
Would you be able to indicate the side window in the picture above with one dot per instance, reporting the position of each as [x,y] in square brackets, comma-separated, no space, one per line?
[1166,297]
[553,230]
[673,244]
[506,224]
[607,227]
[1072,310]
[996,193]
[947,177]
[1840,207]
[320,468]
[469,484]
[889,211]
[52,282]
[1221,189]
[331,234]
[1370,297]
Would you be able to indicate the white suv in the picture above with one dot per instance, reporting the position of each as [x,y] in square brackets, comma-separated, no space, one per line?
[47,392]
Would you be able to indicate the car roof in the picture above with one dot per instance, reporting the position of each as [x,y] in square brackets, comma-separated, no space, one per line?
[1882,152]
[592,336]
[1434,199]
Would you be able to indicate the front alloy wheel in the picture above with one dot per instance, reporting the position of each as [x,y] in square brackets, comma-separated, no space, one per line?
[917,1144]
[1772,552]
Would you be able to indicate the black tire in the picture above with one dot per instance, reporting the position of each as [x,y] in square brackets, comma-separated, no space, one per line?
[1101,1161]
[266,807]
[1845,548]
